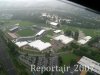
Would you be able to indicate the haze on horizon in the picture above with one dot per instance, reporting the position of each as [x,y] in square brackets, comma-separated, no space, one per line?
[41,4]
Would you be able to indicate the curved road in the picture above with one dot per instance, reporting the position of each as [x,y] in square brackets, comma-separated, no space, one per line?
[6,60]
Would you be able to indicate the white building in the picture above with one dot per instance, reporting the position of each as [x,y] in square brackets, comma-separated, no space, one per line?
[39,45]
[17,24]
[84,40]
[14,28]
[40,32]
[64,39]
[21,44]
[54,24]
[91,64]
[67,20]
[44,14]
[57,31]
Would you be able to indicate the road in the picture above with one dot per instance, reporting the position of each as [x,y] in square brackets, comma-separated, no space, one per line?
[6,60]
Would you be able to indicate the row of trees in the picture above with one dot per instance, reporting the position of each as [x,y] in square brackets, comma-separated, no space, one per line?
[70,33]
[88,52]
[94,40]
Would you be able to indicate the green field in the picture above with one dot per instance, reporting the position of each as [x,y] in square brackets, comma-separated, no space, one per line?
[8,23]
[26,23]
[46,39]
[66,58]
[50,32]
[21,23]
[26,32]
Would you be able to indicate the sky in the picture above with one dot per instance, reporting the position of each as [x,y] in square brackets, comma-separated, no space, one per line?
[13,0]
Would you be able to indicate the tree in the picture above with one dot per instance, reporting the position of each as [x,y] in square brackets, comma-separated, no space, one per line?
[76,35]
[74,45]
[12,48]
[60,62]
[97,57]
[90,73]
[94,40]
[73,62]
[68,33]
[36,61]
[46,73]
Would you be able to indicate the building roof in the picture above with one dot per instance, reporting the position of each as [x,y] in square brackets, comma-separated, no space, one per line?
[44,14]
[13,28]
[54,23]
[13,35]
[21,44]
[68,20]
[38,44]
[17,24]
[28,38]
[40,32]
[57,31]
[89,63]
[84,40]
[64,39]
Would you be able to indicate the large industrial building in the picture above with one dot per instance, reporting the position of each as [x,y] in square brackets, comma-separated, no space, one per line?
[84,40]
[21,44]
[91,64]
[64,39]
[40,32]
[54,24]
[35,45]
[39,45]
[14,29]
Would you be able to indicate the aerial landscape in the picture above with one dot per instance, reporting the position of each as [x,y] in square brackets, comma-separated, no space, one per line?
[43,37]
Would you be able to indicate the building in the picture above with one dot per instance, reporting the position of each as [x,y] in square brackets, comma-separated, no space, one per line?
[17,24]
[12,35]
[40,32]
[84,40]
[29,39]
[67,20]
[60,41]
[44,14]
[39,45]
[91,64]
[54,24]
[81,35]
[14,29]
[21,44]
[58,32]
[64,39]
[41,62]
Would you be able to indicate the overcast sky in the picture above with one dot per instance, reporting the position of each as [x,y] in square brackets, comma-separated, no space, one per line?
[13,0]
